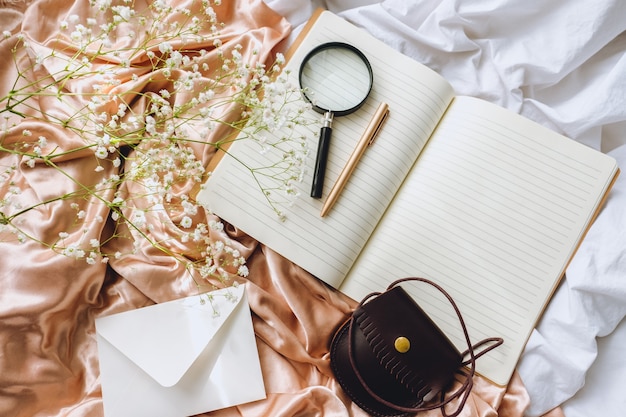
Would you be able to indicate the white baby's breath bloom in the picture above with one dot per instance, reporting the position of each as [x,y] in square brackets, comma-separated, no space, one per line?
[21,237]
[139,219]
[189,208]
[101,152]
[73,251]
[124,12]
[215,225]
[6,34]
[186,222]
[165,47]
[76,36]
[243,271]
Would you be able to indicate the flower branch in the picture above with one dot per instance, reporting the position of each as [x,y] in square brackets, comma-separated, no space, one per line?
[142,93]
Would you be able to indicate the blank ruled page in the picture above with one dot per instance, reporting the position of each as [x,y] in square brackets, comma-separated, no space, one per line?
[493,211]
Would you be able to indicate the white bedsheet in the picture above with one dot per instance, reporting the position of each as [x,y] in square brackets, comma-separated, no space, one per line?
[562,64]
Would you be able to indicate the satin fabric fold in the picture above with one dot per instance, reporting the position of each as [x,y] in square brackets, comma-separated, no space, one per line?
[48,302]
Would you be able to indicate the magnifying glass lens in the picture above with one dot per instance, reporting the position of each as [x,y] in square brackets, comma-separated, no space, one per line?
[336,79]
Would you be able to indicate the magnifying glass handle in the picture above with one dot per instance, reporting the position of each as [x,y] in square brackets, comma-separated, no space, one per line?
[322,156]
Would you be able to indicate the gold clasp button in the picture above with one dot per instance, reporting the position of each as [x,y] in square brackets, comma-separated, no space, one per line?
[402,344]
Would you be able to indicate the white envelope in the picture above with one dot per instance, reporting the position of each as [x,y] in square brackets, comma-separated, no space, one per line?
[180,358]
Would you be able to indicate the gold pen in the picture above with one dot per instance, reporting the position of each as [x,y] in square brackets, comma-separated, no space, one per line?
[366,140]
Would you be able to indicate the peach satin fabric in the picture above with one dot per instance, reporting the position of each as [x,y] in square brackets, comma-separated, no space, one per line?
[48,303]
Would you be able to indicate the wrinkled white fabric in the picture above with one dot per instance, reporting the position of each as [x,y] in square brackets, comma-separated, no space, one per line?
[559,63]
[562,64]
[590,304]
[605,380]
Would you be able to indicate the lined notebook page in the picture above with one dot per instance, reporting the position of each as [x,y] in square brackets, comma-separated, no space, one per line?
[492,211]
[327,247]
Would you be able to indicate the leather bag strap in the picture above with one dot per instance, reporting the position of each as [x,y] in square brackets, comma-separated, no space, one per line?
[464,390]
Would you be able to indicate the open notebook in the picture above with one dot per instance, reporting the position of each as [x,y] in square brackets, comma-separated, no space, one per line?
[483,201]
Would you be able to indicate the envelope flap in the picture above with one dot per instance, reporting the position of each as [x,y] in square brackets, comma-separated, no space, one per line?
[165,339]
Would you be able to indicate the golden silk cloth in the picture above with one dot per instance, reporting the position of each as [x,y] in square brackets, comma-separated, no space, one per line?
[48,302]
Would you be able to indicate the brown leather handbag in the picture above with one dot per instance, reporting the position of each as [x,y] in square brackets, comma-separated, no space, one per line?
[391,359]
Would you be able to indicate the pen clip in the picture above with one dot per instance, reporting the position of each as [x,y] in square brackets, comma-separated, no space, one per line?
[380,125]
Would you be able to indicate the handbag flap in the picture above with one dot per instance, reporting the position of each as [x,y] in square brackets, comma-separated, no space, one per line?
[407,344]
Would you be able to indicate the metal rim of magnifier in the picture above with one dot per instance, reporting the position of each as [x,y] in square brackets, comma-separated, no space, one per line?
[336,45]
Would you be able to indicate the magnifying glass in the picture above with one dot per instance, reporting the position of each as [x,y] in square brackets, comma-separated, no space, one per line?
[335,78]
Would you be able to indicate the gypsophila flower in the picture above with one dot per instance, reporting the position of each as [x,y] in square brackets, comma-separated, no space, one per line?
[165,47]
[73,251]
[186,222]
[217,226]
[101,152]
[76,36]
[189,207]
[123,12]
[138,219]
